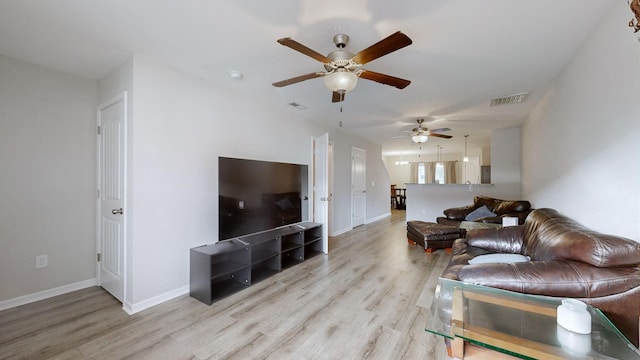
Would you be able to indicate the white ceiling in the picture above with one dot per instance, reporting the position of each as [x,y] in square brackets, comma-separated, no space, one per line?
[464,52]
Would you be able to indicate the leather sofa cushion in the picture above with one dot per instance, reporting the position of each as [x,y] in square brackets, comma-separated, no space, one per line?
[501,207]
[460,256]
[458,213]
[552,236]
[506,207]
[573,279]
[497,206]
[501,240]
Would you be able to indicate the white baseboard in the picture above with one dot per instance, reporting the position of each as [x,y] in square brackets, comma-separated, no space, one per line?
[369,221]
[45,294]
[131,309]
[341,231]
[378,218]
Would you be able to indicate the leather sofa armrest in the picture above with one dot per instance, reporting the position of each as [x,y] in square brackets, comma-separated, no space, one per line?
[501,240]
[459,213]
[573,279]
[445,221]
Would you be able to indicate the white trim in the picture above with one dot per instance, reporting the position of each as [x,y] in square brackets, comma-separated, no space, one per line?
[156,300]
[364,209]
[378,218]
[45,294]
[341,231]
[347,229]
[123,96]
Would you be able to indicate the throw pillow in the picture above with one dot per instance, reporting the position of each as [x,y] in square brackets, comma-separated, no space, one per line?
[498,258]
[479,213]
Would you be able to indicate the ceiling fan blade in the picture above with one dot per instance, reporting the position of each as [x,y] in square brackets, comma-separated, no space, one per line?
[383,47]
[298,79]
[289,42]
[385,79]
[441,129]
[440,136]
[337,97]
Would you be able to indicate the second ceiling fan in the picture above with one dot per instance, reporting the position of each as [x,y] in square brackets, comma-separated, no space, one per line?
[421,134]
[343,68]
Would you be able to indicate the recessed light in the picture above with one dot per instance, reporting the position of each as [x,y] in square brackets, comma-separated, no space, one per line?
[236,75]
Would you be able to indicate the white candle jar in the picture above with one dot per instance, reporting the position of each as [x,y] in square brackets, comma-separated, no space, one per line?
[573,316]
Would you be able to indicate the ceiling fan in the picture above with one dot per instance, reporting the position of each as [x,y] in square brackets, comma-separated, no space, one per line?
[344,68]
[421,134]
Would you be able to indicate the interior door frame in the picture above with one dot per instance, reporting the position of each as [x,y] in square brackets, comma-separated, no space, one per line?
[364,192]
[320,186]
[120,97]
[330,188]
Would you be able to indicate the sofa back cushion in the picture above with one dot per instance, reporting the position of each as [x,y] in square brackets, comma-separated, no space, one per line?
[501,207]
[552,236]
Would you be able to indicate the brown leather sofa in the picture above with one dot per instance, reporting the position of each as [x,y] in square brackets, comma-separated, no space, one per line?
[500,208]
[567,260]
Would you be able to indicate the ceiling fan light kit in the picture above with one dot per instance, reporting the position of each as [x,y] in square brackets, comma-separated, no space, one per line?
[420,135]
[419,138]
[343,68]
[341,81]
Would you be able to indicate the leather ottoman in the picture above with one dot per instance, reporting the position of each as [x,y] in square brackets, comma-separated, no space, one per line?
[431,235]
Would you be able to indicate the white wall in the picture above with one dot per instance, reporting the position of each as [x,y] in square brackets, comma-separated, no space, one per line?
[427,202]
[402,174]
[181,125]
[378,184]
[47,177]
[581,144]
[114,83]
[506,170]
[178,126]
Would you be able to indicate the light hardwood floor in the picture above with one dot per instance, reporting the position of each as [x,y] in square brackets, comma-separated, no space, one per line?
[369,299]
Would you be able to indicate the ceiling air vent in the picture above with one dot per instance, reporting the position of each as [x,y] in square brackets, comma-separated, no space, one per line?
[509,99]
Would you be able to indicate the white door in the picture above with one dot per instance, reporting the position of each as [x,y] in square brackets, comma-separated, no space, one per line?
[321,196]
[358,185]
[112,118]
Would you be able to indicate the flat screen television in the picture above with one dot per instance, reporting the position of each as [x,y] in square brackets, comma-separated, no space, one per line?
[259,195]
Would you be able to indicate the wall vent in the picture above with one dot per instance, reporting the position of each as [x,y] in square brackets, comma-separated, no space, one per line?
[509,99]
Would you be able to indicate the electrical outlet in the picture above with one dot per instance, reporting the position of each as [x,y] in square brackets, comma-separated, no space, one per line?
[42,261]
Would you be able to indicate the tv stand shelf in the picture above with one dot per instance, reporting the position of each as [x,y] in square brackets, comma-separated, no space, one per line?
[226,267]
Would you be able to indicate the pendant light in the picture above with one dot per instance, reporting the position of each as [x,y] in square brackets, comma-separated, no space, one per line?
[465,158]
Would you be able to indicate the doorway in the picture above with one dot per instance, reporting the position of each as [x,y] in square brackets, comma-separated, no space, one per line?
[358,186]
[321,194]
[111,184]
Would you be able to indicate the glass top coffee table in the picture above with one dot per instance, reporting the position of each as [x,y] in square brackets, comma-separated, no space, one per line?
[523,326]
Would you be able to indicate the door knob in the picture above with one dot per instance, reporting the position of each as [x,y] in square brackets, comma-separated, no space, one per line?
[116,211]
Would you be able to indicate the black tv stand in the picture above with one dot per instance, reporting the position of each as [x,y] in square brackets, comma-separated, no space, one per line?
[226,267]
